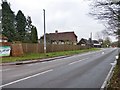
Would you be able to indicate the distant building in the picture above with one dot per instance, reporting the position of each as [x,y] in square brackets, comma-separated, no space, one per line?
[96,44]
[89,43]
[84,42]
[60,38]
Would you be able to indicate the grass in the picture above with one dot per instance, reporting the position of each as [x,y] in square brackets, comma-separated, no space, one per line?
[115,80]
[33,56]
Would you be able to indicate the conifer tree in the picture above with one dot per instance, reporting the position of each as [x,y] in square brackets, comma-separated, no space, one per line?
[34,35]
[8,22]
[20,26]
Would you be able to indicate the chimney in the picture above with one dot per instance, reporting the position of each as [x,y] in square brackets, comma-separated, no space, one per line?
[56,31]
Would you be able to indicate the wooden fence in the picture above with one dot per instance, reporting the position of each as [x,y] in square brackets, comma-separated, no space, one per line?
[18,49]
[39,48]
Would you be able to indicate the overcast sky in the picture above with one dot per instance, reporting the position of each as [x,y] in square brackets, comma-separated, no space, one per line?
[61,15]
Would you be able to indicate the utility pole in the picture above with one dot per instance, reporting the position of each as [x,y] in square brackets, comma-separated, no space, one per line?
[44,32]
[91,35]
[91,39]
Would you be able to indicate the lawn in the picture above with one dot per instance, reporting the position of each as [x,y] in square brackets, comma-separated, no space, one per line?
[33,56]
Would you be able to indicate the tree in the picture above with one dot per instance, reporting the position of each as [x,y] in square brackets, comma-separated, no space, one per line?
[108,12]
[107,42]
[31,32]
[28,28]
[34,36]
[101,34]
[8,22]
[29,24]
[20,26]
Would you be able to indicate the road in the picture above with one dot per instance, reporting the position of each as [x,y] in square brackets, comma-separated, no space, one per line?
[87,70]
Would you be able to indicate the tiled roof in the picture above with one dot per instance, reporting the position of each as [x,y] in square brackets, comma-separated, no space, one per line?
[62,36]
[84,41]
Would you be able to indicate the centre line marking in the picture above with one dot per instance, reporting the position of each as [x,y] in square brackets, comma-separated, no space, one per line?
[26,78]
[76,61]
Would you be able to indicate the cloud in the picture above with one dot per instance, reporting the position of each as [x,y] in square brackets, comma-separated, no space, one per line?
[63,15]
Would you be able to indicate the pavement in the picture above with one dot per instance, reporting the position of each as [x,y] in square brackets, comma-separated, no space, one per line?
[88,70]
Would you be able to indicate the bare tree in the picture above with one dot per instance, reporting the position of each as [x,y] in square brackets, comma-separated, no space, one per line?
[108,12]
[101,34]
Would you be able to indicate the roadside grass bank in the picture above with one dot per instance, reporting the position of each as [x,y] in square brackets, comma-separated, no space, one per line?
[115,80]
[33,56]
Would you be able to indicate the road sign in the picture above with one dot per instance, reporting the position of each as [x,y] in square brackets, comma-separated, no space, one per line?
[5,51]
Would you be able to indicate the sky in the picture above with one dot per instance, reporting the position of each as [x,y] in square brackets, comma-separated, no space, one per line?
[61,15]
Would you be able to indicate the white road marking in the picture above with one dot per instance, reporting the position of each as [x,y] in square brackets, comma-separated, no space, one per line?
[77,61]
[74,62]
[103,52]
[26,78]
[117,57]
[109,75]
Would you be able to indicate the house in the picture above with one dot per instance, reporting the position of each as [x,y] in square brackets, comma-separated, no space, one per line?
[60,38]
[96,44]
[90,43]
[3,38]
[84,42]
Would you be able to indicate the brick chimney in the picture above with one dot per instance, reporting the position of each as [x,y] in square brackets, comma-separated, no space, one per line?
[56,31]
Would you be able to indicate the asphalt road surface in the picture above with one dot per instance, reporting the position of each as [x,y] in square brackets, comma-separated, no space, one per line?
[87,70]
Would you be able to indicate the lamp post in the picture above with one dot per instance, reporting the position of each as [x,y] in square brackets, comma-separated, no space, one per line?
[44,32]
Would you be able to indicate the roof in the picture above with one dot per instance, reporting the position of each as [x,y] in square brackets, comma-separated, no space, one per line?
[3,37]
[61,36]
[95,41]
[84,41]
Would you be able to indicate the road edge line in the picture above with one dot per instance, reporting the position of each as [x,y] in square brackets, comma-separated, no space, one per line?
[108,76]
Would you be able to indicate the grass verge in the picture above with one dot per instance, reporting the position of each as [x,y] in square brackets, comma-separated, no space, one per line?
[33,56]
[115,80]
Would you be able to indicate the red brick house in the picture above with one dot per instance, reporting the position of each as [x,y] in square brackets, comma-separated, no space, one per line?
[60,38]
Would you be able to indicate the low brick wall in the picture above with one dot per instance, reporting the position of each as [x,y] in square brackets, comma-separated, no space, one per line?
[16,50]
